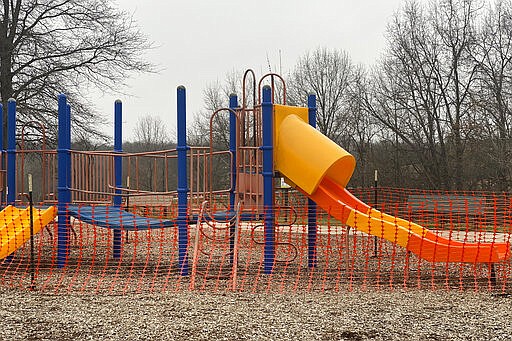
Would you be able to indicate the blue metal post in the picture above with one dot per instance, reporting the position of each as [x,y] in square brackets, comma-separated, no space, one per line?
[11,151]
[233,104]
[268,179]
[312,222]
[118,170]
[182,182]
[64,179]
[11,157]
[68,155]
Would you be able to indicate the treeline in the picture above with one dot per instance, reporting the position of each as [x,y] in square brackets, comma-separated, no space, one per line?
[433,112]
[440,95]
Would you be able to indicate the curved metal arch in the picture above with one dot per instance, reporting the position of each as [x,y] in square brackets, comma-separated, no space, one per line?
[215,113]
[272,75]
[244,82]
[31,125]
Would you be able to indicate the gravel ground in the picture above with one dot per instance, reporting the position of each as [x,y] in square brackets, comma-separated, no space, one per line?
[355,315]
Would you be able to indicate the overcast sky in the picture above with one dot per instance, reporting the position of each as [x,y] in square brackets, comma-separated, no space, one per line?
[199,42]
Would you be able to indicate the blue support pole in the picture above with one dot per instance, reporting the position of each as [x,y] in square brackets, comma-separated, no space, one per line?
[11,157]
[182,182]
[233,104]
[312,221]
[68,154]
[11,151]
[64,179]
[268,179]
[118,170]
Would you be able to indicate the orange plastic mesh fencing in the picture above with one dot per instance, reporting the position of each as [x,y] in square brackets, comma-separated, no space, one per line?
[228,253]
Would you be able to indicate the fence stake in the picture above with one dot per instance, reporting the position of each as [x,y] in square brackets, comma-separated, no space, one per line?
[375,202]
[31,215]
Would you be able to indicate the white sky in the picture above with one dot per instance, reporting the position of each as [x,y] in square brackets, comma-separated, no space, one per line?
[199,42]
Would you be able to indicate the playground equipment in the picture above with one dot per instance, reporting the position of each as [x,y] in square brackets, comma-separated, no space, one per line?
[267,141]
[324,176]
[15,226]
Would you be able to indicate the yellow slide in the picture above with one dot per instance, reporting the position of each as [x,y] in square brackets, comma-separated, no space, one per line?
[15,226]
[321,170]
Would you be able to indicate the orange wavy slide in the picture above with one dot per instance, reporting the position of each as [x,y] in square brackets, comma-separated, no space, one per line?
[15,226]
[342,205]
[321,170]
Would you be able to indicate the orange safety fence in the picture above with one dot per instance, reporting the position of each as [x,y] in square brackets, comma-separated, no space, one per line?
[345,258]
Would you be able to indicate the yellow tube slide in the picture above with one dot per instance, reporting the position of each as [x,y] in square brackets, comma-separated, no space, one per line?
[321,169]
[305,156]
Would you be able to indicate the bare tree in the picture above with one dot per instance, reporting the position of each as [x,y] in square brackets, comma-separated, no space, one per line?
[493,57]
[405,95]
[151,133]
[363,128]
[328,74]
[215,96]
[455,74]
[53,46]
[423,87]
